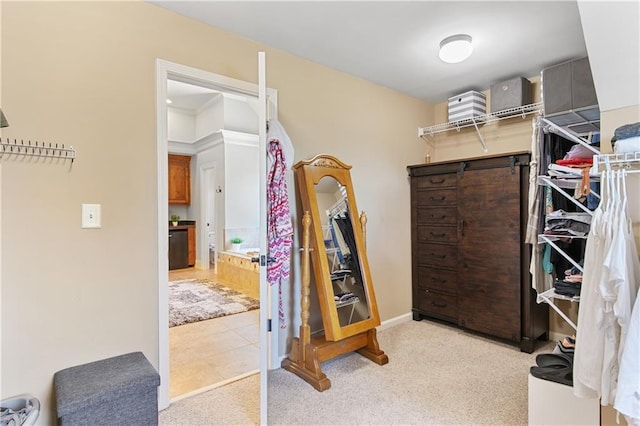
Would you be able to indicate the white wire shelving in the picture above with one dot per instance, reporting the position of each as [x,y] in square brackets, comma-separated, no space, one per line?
[484,119]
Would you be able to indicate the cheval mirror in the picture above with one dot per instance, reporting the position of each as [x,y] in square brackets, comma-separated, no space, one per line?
[334,238]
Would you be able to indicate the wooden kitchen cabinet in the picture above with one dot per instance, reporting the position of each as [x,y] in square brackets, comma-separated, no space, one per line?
[191,239]
[470,264]
[179,179]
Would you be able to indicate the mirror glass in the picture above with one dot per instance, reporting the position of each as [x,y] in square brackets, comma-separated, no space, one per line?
[344,268]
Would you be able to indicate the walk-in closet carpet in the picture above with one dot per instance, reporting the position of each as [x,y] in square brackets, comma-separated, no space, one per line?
[436,375]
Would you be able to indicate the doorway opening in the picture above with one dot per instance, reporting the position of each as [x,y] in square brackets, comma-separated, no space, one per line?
[210,178]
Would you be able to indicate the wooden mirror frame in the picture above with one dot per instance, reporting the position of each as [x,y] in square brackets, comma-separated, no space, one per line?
[308,175]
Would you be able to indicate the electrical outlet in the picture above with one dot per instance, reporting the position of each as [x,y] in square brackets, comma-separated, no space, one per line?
[91,216]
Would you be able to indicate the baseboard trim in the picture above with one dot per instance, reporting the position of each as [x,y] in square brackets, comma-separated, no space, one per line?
[555,336]
[395,321]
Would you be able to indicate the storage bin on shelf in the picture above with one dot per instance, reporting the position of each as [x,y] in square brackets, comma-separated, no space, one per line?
[467,105]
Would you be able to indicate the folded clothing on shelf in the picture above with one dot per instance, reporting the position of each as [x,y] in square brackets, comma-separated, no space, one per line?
[558,170]
[573,223]
[567,288]
[575,162]
[579,151]
[626,131]
[627,145]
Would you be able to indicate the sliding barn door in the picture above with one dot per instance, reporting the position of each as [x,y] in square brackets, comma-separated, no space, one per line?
[489,255]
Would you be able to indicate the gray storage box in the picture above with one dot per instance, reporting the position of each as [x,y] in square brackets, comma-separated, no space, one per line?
[119,390]
[467,105]
[509,94]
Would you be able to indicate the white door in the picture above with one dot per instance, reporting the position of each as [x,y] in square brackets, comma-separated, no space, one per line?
[264,287]
[268,341]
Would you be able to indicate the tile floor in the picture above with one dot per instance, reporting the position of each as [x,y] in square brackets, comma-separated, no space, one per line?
[207,353]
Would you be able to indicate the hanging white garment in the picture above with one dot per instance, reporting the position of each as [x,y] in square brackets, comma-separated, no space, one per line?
[627,311]
[612,282]
[609,288]
[628,391]
[619,291]
[588,352]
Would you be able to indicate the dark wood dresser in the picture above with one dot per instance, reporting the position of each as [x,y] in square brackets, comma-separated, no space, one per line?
[470,265]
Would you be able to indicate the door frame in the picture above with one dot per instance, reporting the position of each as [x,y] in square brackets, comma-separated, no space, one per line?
[166,70]
[202,239]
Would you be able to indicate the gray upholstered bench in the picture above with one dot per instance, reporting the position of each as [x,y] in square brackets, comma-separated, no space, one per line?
[113,391]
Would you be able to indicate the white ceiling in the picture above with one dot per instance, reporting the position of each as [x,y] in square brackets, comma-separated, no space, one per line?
[188,96]
[395,43]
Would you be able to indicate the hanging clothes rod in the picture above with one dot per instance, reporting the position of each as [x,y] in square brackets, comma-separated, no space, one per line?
[629,161]
[36,149]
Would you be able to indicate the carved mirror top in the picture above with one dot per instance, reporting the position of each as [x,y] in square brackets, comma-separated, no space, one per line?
[323,160]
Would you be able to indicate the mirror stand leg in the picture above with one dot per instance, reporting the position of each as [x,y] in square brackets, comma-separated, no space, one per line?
[372,350]
[304,362]
[304,358]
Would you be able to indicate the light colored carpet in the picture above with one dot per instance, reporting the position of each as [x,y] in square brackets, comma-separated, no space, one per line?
[237,403]
[199,299]
[437,375]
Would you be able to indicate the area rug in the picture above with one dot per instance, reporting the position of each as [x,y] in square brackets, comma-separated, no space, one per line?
[197,300]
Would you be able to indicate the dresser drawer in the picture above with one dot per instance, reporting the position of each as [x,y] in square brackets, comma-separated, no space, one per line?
[437,233]
[438,304]
[437,255]
[443,215]
[435,181]
[438,279]
[442,197]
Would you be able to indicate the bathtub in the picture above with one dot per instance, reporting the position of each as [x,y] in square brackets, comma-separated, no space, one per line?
[250,252]
[235,270]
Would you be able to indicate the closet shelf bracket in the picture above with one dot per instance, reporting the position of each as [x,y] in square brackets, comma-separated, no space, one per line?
[545,180]
[549,296]
[542,238]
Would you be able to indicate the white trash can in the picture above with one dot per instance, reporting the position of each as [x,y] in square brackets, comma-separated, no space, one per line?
[19,410]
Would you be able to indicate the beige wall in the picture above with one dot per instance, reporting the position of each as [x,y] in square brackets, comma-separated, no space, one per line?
[83,74]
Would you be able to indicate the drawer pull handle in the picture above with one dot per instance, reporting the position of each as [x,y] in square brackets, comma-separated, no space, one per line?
[426,291]
[436,181]
[439,305]
[435,280]
[441,256]
[438,235]
[441,198]
[436,217]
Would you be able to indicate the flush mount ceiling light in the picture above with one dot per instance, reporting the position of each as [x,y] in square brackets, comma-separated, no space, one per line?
[455,48]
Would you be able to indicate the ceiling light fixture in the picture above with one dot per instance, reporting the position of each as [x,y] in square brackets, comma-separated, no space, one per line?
[455,48]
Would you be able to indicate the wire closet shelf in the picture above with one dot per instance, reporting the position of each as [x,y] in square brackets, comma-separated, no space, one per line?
[488,118]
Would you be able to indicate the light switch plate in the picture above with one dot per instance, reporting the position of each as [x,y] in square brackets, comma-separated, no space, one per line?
[91,216]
